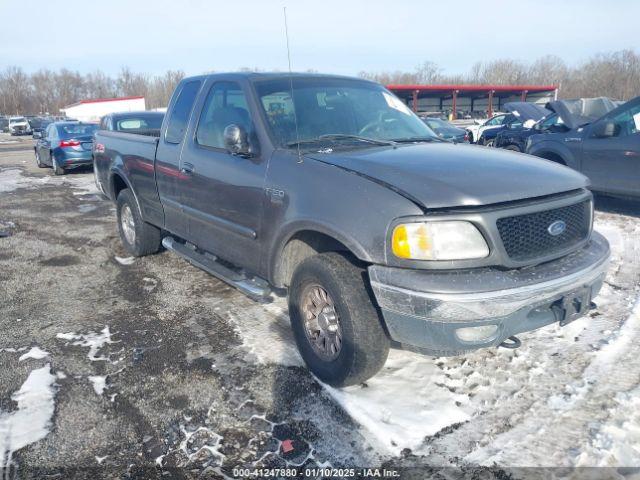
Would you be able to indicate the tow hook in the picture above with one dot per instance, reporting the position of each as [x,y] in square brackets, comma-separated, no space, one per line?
[512,343]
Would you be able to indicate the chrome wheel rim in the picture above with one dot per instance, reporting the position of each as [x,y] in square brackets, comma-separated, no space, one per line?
[128,225]
[321,322]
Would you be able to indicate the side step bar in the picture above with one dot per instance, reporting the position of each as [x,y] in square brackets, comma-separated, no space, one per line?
[255,288]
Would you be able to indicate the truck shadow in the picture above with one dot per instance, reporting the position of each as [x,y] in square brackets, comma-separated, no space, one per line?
[619,205]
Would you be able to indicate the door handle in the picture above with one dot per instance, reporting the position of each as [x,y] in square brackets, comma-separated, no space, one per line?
[187,169]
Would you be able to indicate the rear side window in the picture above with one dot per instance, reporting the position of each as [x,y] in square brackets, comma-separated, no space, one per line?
[180,114]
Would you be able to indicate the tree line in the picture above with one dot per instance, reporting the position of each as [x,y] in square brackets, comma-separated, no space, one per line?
[47,91]
[614,74]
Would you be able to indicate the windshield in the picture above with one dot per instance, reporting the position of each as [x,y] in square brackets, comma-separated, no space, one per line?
[335,110]
[17,120]
[76,130]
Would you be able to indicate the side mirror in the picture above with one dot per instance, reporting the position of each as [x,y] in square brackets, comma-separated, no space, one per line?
[236,140]
[37,134]
[604,130]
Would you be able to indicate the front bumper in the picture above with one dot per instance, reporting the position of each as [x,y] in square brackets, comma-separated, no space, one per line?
[424,310]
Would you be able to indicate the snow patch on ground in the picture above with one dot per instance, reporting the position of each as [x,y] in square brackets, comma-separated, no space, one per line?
[99,383]
[617,442]
[265,330]
[12,179]
[404,403]
[125,260]
[95,341]
[604,361]
[32,420]
[35,353]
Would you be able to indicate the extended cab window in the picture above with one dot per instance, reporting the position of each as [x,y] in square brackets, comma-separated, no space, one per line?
[226,104]
[180,114]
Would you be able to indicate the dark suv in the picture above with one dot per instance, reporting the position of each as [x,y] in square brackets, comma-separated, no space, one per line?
[604,147]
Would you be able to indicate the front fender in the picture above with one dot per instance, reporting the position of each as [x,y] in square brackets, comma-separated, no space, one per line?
[319,197]
[545,147]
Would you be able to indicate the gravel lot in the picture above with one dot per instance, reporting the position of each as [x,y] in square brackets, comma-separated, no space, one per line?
[139,367]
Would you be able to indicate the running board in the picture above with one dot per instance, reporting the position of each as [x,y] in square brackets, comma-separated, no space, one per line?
[255,288]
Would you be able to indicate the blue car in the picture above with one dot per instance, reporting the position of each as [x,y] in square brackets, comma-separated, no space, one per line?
[65,145]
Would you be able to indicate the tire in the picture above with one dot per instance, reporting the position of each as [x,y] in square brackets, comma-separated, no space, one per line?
[513,148]
[470,136]
[488,143]
[57,169]
[364,345]
[38,161]
[138,237]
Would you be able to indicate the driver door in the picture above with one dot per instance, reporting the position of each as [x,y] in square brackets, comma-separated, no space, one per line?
[223,194]
[613,163]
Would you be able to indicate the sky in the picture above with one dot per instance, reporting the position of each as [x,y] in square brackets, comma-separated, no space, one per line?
[330,36]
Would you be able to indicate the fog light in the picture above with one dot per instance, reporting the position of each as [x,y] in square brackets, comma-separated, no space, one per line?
[476,334]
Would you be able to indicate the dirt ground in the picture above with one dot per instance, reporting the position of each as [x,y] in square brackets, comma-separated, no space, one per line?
[153,366]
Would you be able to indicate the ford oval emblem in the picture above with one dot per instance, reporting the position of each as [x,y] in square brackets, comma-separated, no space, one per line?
[557,228]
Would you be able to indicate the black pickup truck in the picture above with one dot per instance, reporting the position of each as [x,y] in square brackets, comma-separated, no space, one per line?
[383,235]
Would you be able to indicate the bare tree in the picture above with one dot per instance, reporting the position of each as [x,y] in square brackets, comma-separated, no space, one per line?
[613,74]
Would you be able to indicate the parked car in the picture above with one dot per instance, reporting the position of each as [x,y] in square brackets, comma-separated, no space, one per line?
[606,147]
[38,125]
[515,139]
[479,126]
[381,233]
[142,123]
[19,126]
[521,114]
[65,145]
[446,131]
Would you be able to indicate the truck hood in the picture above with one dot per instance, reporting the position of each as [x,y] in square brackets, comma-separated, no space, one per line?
[526,111]
[443,175]
[580,111]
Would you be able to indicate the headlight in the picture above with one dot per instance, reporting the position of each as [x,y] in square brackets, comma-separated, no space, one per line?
[446,240]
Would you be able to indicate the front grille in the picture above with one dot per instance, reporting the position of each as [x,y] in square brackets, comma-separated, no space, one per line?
[526,237]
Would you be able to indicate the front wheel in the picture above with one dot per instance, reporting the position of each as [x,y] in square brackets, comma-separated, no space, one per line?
[337,327]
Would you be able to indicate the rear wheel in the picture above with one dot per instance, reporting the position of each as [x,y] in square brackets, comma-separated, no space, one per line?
[138,237]
[513,148]
[39,161]
[337,327]
[57,169]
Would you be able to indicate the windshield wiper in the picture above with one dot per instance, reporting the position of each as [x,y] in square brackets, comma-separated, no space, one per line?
[341,136]
[418,139]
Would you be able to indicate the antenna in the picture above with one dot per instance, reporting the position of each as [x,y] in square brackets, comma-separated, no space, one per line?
[295,115]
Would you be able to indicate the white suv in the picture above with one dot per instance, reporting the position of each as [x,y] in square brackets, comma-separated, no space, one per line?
[19,126]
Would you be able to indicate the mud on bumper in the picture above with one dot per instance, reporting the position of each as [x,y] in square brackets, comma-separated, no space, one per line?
[435,311]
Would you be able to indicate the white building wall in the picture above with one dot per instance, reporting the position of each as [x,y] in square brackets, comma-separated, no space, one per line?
[91,112]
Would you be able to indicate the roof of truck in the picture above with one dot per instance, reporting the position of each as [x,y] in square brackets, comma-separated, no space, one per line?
[276,75]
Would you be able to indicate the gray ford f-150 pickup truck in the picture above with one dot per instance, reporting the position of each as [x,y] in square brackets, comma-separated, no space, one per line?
[382,234]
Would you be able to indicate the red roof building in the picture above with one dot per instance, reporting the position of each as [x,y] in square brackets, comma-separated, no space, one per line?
[470,98]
